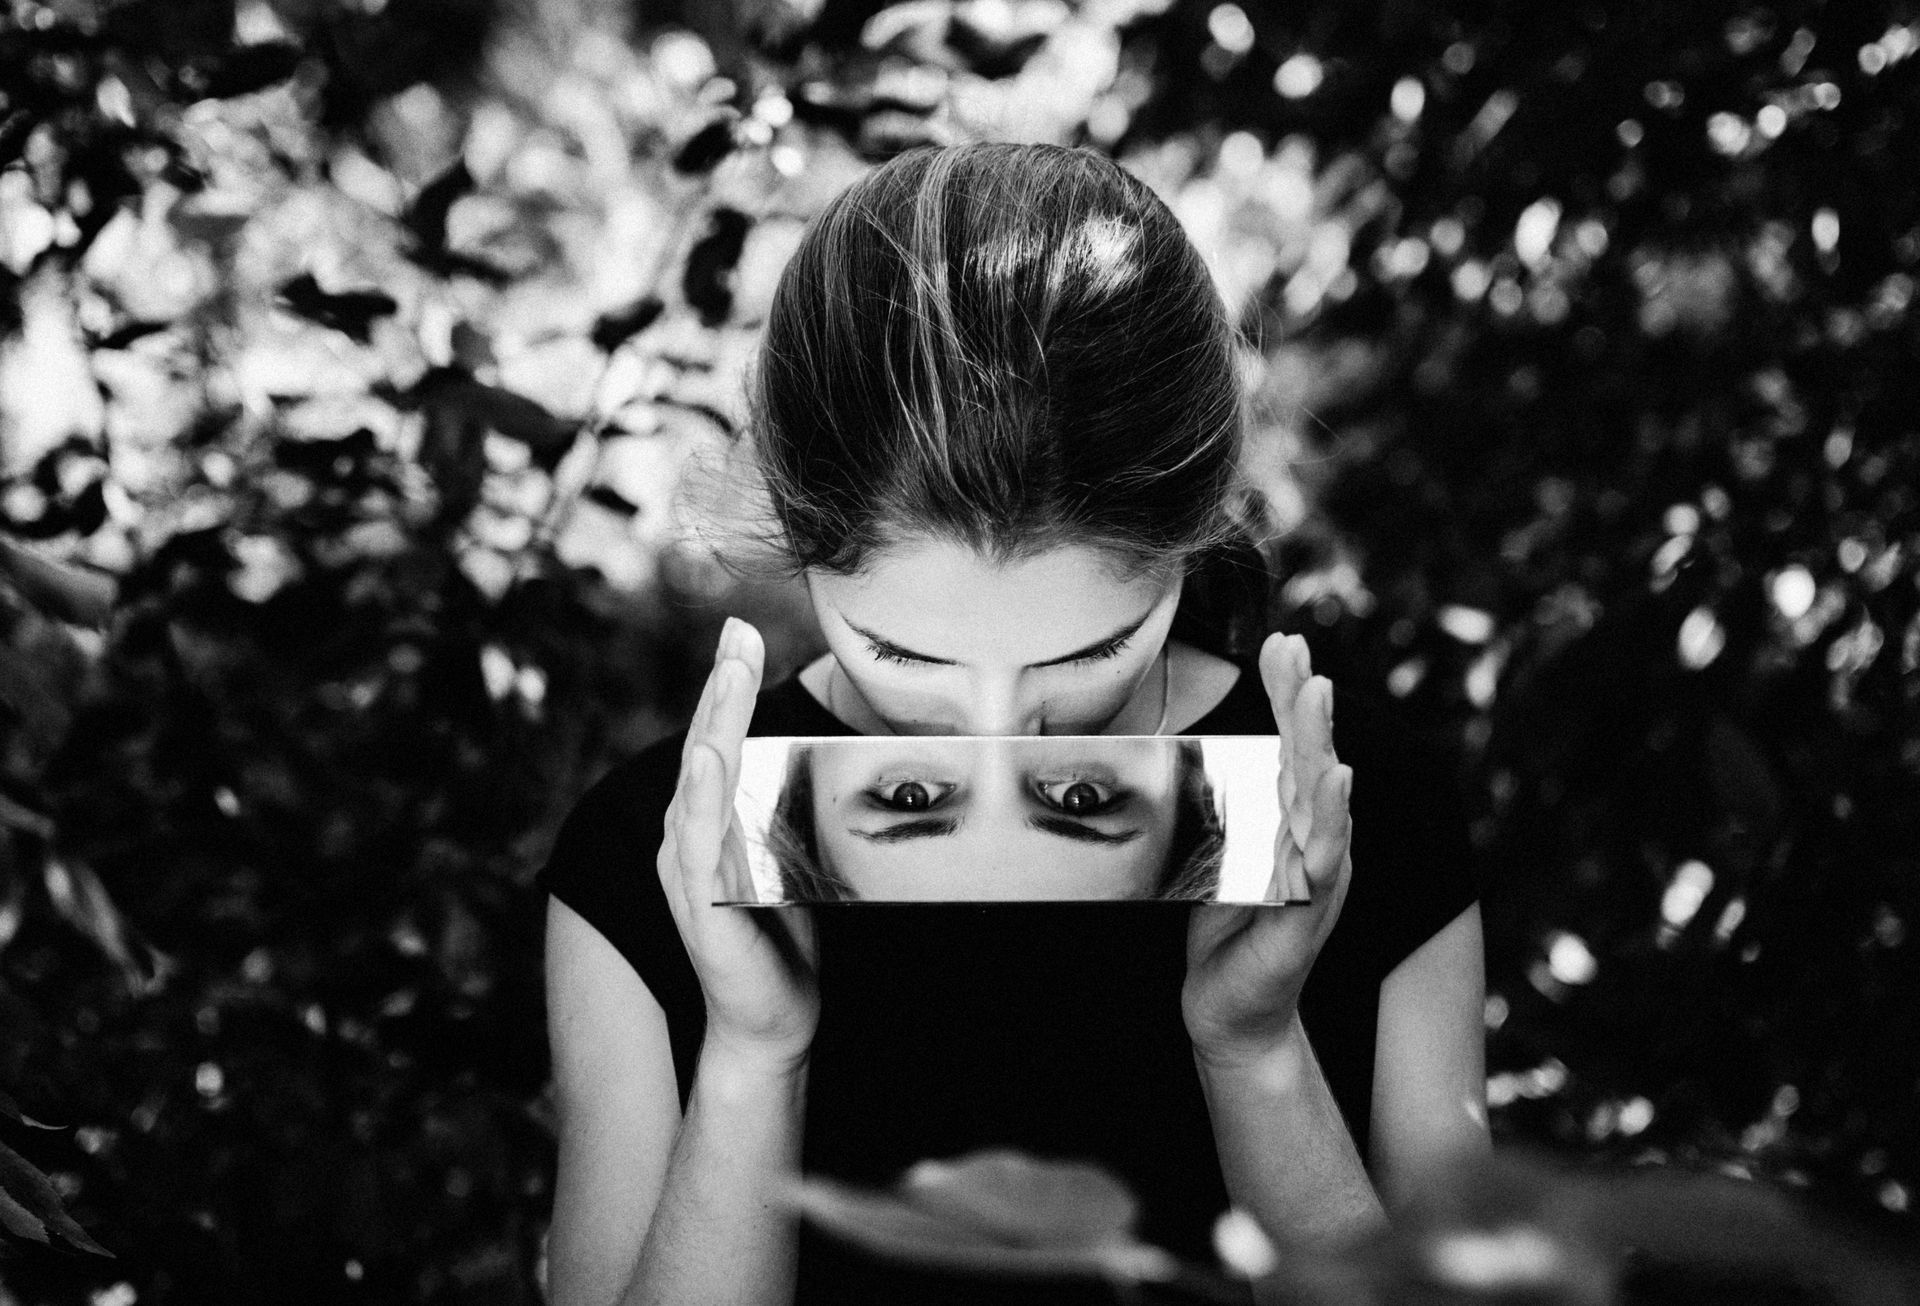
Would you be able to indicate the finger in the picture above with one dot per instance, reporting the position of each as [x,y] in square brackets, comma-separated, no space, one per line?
[733,708]
[673,879]
[1326,854]
[1290,882]
[702,829]
[735,880]
[1312,747]
[703,710]
[1281,659]
[1286,781]
[1282,662]
[1313,726]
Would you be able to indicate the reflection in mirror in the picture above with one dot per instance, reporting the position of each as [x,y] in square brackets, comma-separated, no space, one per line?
[1028,819]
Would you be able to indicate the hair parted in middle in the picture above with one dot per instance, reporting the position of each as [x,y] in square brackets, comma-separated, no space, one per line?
[1011,347]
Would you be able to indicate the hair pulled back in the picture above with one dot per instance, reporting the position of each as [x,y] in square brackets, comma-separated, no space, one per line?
[1011,347]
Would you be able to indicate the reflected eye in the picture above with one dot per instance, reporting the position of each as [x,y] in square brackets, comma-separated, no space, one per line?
[1079,797]
[910,795]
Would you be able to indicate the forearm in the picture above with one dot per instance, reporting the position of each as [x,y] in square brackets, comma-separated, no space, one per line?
[1285,1152]
[722,1232]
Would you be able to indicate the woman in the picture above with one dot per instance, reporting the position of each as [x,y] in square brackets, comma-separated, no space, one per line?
[998,420]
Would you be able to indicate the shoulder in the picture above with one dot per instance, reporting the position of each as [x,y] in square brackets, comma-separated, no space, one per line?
[602,861]
[1413,861]
[619,820]
[1371,734]
[1413,869]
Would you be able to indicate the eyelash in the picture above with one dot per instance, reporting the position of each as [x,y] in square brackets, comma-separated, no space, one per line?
[886,794]
[1101,654]
[1115,796]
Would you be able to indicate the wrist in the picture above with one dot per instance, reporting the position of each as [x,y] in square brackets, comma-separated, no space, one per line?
[1276,1059]
[734,1065]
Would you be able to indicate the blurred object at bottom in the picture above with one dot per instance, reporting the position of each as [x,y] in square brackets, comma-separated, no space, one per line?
[1511,1227]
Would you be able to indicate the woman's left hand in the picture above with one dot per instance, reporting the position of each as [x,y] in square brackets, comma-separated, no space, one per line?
[1246,965]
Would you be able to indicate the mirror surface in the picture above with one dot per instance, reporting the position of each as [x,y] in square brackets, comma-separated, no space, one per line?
[870,819]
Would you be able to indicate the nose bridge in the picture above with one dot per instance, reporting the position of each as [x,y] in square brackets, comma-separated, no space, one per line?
[995,705]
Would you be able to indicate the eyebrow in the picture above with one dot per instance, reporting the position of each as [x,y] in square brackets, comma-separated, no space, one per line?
[905,830]
[886,645]
[1069,829]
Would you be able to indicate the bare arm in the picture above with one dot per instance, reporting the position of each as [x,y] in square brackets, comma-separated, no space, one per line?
[653,1206]
[1429,1066]
[722,1232]
[1285,1153]
[619,1111]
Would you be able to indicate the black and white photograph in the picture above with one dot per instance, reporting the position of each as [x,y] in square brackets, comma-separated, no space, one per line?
[959,652]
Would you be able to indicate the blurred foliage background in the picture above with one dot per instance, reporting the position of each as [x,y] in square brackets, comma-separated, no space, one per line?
[350,354]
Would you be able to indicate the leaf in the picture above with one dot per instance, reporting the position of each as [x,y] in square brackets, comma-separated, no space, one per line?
[208,222]
[706,412]
[520,418]
[19,1221]
[888,1226]
[83,902]
[16,815]
[59,590]
[32,1194]
[611,330]
[460,410]
[11,1110]
[351,312]
[1015,1198]
[242,71]
[707,281]
[426,217]
[612,500]
[15,128]
[88,511]
[125,334]
[703,151]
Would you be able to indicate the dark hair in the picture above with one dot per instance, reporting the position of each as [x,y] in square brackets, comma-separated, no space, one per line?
[1013,347]
[1195,851]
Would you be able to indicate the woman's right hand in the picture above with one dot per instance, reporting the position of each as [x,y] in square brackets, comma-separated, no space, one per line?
[757,968]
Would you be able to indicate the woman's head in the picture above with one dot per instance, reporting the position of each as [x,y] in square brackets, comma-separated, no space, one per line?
[1004,352]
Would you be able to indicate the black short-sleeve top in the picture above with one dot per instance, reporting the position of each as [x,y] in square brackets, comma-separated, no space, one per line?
[1053,1028]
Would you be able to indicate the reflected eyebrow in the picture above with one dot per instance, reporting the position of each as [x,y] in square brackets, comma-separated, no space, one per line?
[1069,829]
[1099,646]
[905,830]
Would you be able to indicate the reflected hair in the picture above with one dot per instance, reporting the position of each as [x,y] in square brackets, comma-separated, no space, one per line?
[1014,348]
[1195,852]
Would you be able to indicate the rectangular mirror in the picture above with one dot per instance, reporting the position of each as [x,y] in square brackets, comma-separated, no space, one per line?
[1064,818]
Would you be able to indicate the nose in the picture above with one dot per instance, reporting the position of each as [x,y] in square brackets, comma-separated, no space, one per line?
[995,707]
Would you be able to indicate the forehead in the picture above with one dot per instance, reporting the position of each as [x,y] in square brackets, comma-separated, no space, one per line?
[947,600]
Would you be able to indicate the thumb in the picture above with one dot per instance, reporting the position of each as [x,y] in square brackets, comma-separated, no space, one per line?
[702,825]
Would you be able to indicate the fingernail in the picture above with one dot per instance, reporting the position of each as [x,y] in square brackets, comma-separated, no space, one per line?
[729,645]
[1326,699]
[1302,660]
[1346,783]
